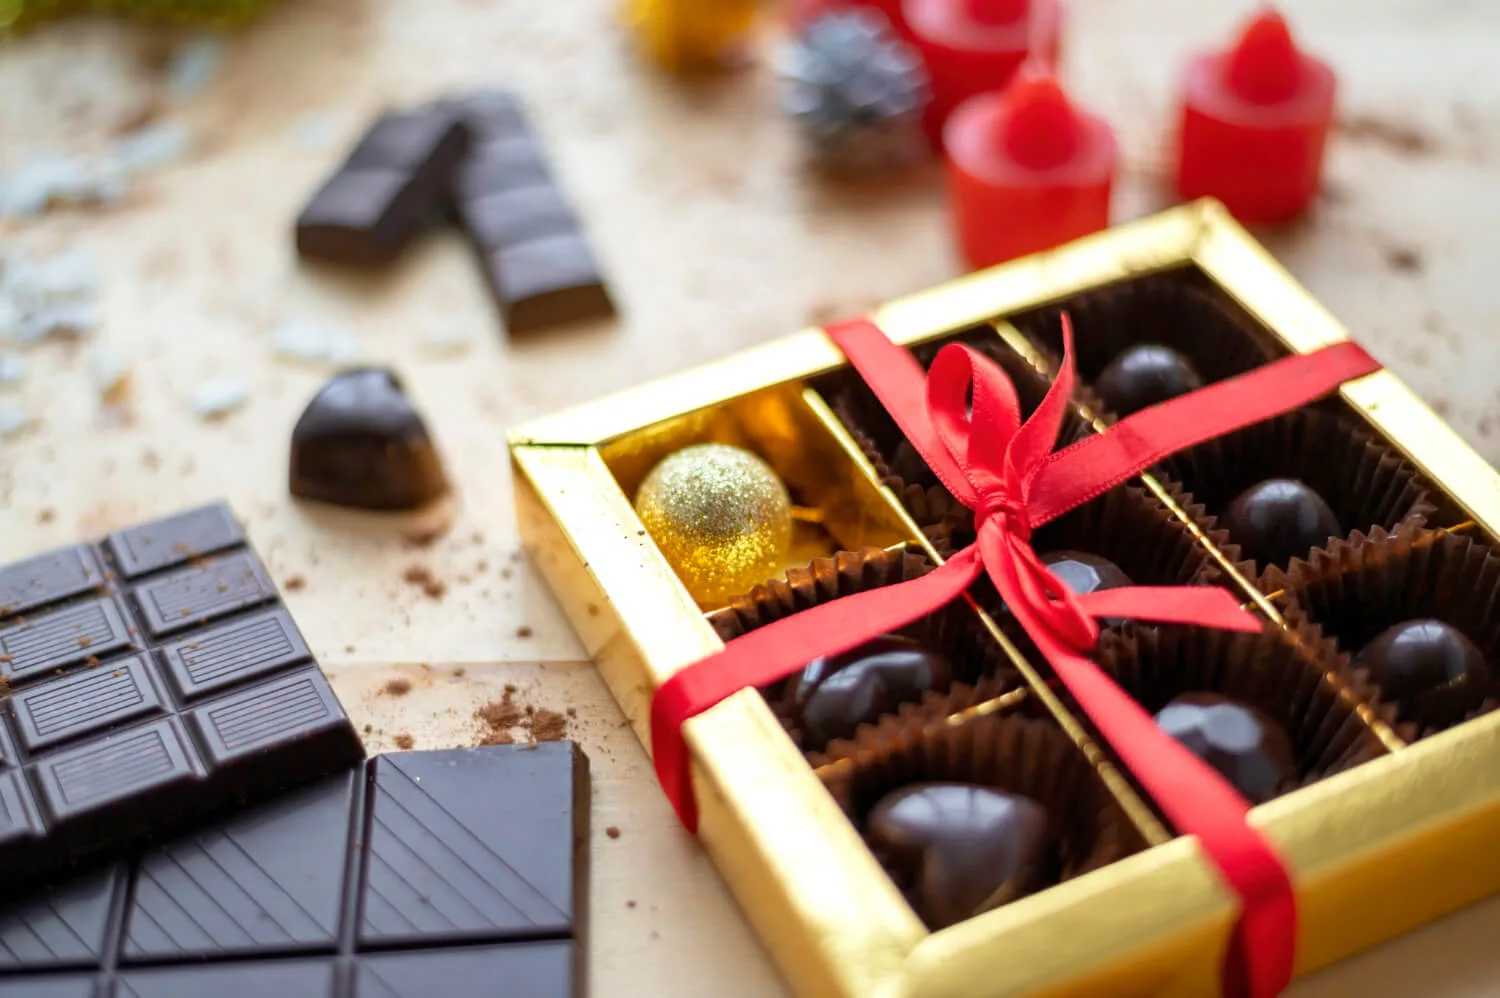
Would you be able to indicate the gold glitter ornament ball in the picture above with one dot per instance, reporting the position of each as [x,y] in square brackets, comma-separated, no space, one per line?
[720,515]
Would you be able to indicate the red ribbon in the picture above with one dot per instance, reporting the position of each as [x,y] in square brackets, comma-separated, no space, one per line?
[1007,473]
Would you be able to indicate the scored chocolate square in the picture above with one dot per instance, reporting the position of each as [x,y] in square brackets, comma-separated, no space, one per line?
[386,190]
[151,680]
[537,263]
[441,874]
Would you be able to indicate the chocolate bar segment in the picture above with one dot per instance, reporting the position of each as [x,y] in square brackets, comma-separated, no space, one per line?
[420,875]
[160,682]
[385,191]
[537,264]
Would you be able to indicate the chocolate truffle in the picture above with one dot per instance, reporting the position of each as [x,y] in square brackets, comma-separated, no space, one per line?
[1430,668]
[1249,749]
[1280,519]
[360,443]
[1143,376]
[839,693]
[1085,573]
[961,849]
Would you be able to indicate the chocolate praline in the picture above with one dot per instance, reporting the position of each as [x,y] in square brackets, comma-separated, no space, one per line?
[839,693]
[962,848]
[1144,375]
[1248,749]
[1280,519]
[1431,669]
[1086,573]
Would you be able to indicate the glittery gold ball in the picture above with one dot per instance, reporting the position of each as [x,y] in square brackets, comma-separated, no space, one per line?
[720,515]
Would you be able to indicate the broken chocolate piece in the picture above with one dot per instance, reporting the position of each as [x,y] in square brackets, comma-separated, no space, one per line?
[360,443]
[419,875]
[154,680]
[385,191]
[536,261]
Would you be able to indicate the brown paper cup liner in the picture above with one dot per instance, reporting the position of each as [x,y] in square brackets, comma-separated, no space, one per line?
[1169,309]
[1366,483]
[1022,755]
[1293,677]
[1358,587]
[953,632]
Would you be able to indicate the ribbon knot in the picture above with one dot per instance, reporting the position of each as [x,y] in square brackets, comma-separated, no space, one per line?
[1008,511]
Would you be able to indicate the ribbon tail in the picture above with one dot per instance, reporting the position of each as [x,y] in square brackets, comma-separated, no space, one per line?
[1197,801]
[777,650]
[1198,606]
[1091,467]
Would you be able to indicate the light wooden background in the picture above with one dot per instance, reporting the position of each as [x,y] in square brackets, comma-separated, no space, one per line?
[714,240]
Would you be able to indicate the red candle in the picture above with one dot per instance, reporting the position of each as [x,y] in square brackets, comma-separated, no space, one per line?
[1255,121]
[975,46]
[1027,169]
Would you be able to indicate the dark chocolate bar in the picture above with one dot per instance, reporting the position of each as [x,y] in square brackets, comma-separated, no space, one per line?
[150,681]
[386,190]
[443,874]
[537,264]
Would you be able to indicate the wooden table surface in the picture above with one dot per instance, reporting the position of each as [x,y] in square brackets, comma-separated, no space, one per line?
[714,240]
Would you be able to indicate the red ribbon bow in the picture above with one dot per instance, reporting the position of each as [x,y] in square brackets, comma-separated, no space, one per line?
[1006,472]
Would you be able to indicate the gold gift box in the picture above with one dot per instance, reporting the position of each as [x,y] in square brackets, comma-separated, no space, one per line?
[1374,851]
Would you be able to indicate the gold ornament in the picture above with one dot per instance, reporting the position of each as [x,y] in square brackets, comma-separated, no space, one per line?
[720,515]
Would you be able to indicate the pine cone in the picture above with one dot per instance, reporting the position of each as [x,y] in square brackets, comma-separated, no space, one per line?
[855,91]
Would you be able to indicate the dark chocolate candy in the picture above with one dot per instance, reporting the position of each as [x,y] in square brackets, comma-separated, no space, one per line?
[1143,376]
[837,694]
[154,679]
[962,849]
[421,875]
[360,443]
[537,264]
[386,189]
[1085,573]
[1248,749]
[1280,519]
[1431,669]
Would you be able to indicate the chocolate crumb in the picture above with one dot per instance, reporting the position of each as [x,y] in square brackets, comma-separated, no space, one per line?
[500,715]
[497,738]
[612,831]
[549,726]
[404,742]
[369,728]
[85,641]
[294,583]
[505,573]
[5,658]
[1404,259]
[397,687]
[435,588]
[511,687]
[47,515]
[92,662]
[418,575]
[348,649]
[530,710]
[593,609]
[630,903]
[523,632]
[572,711]
[1392,135]
[459,672]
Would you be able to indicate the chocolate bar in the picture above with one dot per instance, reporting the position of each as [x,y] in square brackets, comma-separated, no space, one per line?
[152,680]
[442,874]
[385,191]
[537,264]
